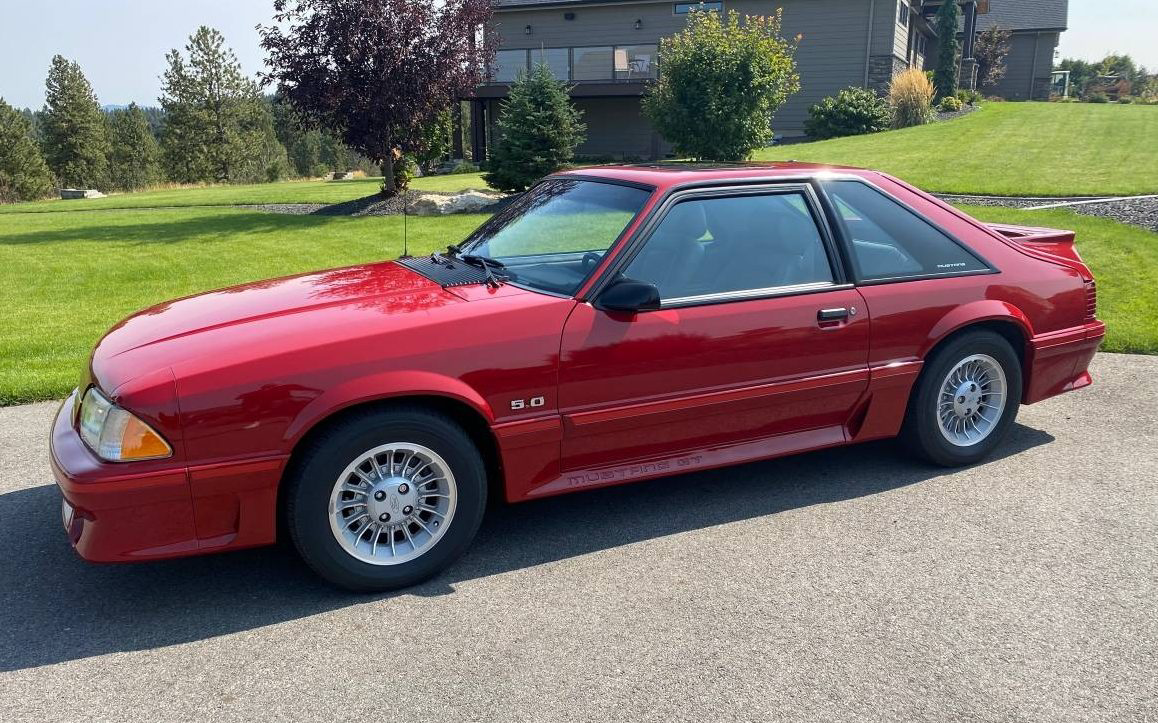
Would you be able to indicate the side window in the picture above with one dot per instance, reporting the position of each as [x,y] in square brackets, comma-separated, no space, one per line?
[889,241]
[735,243]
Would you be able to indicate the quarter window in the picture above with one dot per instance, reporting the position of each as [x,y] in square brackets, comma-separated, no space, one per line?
[890,241]
[730,244]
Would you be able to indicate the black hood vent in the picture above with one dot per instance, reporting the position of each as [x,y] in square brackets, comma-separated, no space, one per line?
[445,272]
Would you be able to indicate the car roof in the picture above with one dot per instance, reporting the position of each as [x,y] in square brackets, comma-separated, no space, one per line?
[669,174]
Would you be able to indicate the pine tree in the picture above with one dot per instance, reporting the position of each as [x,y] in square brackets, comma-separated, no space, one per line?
[539,129]
[72,131]
[133,160]
[24,175]
[945,76]
[216,121]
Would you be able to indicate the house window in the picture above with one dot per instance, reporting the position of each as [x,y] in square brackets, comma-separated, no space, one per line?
[903,13]
[592,63]
[557,59]
[507,65]
[634,62]
[685,8]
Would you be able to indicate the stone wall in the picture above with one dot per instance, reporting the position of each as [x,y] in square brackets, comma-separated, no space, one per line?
[882,68]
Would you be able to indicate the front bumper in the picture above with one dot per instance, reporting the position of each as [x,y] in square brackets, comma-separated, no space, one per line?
[119,512]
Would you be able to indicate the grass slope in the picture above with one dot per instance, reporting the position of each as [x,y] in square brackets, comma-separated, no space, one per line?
[67,277]
[1010,149]
[231,195]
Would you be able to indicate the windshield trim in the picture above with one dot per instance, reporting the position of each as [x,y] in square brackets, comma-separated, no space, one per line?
[472,240]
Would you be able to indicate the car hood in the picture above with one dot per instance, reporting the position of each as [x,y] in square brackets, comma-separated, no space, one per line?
[304,308]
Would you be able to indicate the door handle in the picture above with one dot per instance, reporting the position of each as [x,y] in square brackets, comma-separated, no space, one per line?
[832,314]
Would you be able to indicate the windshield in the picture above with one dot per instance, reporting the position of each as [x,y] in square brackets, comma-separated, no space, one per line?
[553,236]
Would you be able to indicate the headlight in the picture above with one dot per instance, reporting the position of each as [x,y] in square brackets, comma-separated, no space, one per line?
[114,434]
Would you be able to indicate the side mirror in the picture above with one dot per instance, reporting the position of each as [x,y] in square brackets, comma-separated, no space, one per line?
[629,295]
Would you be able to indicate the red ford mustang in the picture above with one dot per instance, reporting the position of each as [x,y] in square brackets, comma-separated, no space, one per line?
[613,324]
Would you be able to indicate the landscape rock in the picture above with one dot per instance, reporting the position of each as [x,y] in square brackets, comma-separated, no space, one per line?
[432,204]
[72,193]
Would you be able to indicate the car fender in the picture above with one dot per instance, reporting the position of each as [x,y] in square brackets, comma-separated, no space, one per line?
[385,385]
[972,313]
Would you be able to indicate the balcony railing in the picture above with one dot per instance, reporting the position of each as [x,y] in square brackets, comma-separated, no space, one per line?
[602,63]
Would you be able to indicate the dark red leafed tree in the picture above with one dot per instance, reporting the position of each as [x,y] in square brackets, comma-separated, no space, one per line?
[377,71]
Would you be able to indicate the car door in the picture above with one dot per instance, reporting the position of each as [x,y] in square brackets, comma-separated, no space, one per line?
[758,346]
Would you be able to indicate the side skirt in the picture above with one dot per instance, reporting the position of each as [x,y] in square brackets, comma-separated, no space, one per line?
[693,461]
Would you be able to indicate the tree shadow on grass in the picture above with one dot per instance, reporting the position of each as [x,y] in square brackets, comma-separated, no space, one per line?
[55,607]
[162,230]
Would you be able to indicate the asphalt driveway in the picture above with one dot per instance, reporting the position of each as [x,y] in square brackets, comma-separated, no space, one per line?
[846,584]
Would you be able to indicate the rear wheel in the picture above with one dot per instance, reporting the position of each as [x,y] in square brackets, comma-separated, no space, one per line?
[386,499]
[965,400]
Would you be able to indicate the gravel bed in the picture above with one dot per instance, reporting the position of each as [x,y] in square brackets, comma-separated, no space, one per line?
[951,114]
[992,200]
[1136,211]
[373,205]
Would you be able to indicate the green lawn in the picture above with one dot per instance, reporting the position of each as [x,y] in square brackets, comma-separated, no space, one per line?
[230,195]
[67,277]
[1010,149]
[1124,260]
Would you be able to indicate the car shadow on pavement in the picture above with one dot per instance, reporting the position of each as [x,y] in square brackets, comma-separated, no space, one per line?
[55,607]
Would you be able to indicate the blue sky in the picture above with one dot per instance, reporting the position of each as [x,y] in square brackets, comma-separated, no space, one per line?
[121,44]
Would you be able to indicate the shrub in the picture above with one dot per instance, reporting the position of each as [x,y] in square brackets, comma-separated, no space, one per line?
[721,81]
[950,104]
[851,112]
[970,97]
[539,129]
[1097,97]
[1126,99]
[911,95]
[404,168]
[464,167]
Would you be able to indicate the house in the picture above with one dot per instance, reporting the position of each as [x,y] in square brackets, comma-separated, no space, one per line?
[1036,26]
[607,51]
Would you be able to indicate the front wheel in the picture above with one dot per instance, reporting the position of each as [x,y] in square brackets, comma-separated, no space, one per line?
[965,400]
[386,499]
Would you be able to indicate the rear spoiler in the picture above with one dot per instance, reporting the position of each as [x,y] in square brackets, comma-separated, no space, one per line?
[1055,244]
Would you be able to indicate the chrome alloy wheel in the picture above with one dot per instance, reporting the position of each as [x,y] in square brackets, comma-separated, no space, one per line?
[972,399]
[392,503]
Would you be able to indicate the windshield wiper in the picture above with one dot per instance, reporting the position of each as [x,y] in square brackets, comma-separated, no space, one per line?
[486,263]
[478,259]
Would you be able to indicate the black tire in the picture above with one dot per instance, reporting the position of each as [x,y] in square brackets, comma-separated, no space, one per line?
[921,433]
[310,483]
